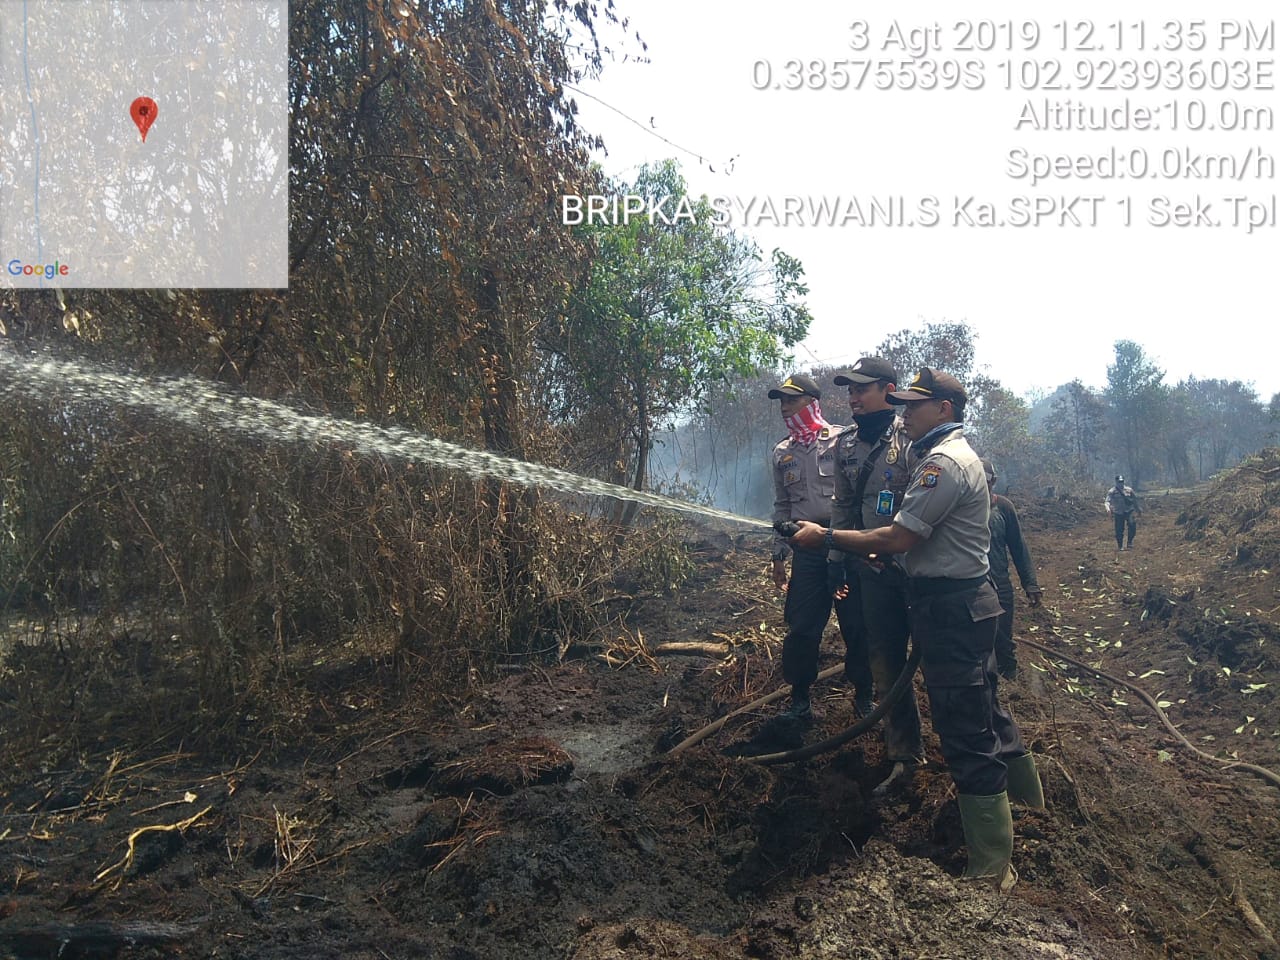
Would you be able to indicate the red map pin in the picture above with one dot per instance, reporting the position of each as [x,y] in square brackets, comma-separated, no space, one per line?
[143,110]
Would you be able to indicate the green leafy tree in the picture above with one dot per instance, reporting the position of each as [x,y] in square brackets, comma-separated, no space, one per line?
[674,304]
[1076,429]
[947,346]
[1137,396]
[1171,423]
[1224,419]
[1000,430]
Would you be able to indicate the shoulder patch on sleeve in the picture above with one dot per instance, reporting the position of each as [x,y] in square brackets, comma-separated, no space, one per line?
[929,475]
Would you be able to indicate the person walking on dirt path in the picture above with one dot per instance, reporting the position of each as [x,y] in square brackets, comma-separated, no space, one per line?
[803,484]
[871,478]
[1122,503]
[941,533]
[1006,543]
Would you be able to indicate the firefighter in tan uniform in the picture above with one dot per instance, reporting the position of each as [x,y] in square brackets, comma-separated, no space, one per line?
[941,533]
[804,468]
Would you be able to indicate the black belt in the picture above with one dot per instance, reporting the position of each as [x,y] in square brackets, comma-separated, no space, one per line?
[935,586]
[888,569]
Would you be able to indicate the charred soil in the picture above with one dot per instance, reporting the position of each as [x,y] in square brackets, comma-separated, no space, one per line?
[537,815]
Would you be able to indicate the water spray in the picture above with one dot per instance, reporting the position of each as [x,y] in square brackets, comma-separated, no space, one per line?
[201,404]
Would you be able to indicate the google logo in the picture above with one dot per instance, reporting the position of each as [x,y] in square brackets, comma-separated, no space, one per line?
[48,270]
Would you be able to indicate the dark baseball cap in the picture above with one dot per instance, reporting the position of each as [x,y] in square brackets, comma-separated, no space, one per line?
[930,385]
[796,385]
[869,370]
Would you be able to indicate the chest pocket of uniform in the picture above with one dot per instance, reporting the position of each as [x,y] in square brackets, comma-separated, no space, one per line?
[827,465]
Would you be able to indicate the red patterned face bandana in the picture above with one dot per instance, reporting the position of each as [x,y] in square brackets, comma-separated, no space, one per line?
[805,424]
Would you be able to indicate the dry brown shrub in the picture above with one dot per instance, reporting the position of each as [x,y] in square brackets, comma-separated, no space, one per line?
[211,587]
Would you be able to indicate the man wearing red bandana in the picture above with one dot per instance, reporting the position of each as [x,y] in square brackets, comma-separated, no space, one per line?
[804,468]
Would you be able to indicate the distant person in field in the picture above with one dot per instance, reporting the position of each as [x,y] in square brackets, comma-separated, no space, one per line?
[1006,543]
[1122,504]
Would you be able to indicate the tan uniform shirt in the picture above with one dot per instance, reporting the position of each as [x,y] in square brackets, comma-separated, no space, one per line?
[886,483]
[803,483]
[948,504]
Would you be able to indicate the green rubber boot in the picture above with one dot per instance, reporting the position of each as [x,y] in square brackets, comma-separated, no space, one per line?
[1024,782]
[988,832]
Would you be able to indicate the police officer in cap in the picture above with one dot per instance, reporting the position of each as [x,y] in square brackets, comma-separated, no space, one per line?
[941,533]
[1122,504]
[871,478]
[803,483]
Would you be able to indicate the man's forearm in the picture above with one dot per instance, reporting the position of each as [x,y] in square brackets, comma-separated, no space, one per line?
[881,541]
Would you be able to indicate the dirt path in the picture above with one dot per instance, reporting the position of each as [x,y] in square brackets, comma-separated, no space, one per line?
[539,819]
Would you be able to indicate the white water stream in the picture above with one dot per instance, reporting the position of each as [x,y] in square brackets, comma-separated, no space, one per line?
[205,405]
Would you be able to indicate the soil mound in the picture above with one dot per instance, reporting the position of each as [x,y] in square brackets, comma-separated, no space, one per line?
[1055,513]
[537,815]
[1239,518]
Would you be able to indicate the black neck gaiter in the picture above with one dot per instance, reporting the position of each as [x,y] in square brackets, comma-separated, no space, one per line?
[871,426]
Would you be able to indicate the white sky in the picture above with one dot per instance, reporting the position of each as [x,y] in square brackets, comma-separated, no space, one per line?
[1048,301]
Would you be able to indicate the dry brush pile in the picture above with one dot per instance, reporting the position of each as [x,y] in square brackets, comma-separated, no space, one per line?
[180,583]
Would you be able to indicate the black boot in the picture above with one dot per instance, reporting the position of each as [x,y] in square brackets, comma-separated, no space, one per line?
[863,703]
[801,706]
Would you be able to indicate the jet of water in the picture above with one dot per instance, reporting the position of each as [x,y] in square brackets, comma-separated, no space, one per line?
[202,404]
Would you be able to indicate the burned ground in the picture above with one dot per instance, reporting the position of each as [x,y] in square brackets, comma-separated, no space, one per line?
[536,816]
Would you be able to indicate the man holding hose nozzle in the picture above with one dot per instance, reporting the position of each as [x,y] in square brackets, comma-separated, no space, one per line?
[940,531]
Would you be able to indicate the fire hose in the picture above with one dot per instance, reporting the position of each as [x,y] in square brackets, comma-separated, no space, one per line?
[900,687]
[822,746]
[787,529]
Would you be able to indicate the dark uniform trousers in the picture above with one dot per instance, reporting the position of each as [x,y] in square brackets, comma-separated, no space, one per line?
[807,610]
[1125,520]
[1006,654]
[955,621]
[883,600]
